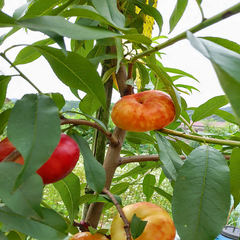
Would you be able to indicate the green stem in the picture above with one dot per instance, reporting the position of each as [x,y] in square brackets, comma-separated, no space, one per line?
[199,138]
[201,10]
[20,73]
[187,124]
[206,23]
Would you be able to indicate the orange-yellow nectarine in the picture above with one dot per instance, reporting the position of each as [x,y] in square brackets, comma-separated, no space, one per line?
[144,111]
[159,226]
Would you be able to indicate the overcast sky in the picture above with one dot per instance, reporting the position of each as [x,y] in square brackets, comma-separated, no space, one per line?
[181,55]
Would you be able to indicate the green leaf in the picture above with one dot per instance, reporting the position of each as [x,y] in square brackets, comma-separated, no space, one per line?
[139,138]
[69,190]
[4,116]
[58,99]
[6,21]
[52,227]
[36,132]
[28,54]
[169,157]
[26,200]
[3,237]
[208,108]
[19,12]
[226,116]
[4,80]
[138,38]
[120,53]
[178,71]
[89,105]
[75,71]
[137,226]
[64,28]
[162,192]
[14,235]
[86,198]
[150,11]
[227,66]
[187,149]
[109,10]
[233,46]
[149,179]
[167,82]
[235,175]
[177,13]
[1,4]
[144,75]
[41,7]
[120,188]
[137,170]
[8,34]
[94,171]
[201,196]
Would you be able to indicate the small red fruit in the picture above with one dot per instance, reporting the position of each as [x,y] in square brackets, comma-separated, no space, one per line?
[62,161]
[144,111]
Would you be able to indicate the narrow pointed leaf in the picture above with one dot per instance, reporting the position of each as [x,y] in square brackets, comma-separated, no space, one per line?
[149,179]
[65,28]
[35,133]
[28,54]
[226,64]
[150,11]
[89,105]
[233,46]
[26,200]
[201,196]
[177,13]
[109,10]
[208,108]
[52,227]
[178,71]
[75,71]
[169,157]
[69,190]
[41,7]
[4,80]
[139,138]
[226,116]
[4,116]
[95,173]
[137,226]
[235,175]
[167,82]
[6,20]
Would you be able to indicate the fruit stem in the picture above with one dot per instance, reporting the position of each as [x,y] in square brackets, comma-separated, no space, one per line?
[122,215]
[199,138]
[205,23]
[3,55]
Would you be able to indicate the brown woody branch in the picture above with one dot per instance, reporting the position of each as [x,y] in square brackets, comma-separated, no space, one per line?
[12,156]
[112,140]
[147,158]
[122,215]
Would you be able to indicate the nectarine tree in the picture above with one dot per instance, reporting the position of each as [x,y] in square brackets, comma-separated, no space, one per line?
[96,48]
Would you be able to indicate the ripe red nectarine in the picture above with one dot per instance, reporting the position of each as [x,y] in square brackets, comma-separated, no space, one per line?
[144,111]
[159,226]
[62,161]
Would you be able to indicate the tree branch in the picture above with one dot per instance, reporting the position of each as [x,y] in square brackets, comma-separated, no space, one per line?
[149,158]
[206,23]
[12,156]
[199,138]
[112,140]
[122,215]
